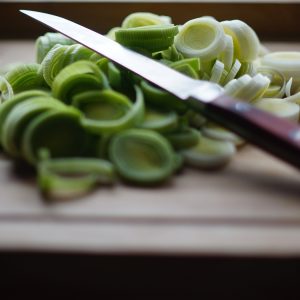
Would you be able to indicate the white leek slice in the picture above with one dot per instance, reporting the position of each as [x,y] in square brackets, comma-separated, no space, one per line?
[223,76]
[280,108]
[247,68]
[293,99]
[288,87]
[287,62]
[226,55]
[214,131]
[217,71]
[233,71]
[202,37]
[255,88]
[277,87]
[233,87]
[245,40]
[209,153]
[139,19]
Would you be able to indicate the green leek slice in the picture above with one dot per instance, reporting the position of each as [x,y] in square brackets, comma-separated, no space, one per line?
[118,113]
[170,54]
[151,38]
[72,177]
[161,99]
[159,121]
[114,76]
[214,131]
[78,52]
[24,77]
[18,119]
[44,43]
[188,66]
[202,37]
[6,107]
[76,78]
[209,153]
[185,138]
[142,156]
[61,56]
[195,119]
[6,90]
[59,131]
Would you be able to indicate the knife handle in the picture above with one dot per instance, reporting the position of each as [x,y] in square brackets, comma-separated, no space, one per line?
[270,133]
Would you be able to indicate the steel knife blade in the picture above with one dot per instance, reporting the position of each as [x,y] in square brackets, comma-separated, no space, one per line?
[277,136]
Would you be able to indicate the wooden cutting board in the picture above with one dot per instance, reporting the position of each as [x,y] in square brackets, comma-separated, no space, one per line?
[251,207]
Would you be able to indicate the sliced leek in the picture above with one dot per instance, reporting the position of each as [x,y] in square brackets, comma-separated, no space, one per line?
[184,138]
[140,19]
[247,87]
[214,131]
[44,43]
[209,153]
[161,99]
[293,98]
[6,90]
[24,77]
[280,108]
[109,111]
[202,37]
[76,78]
[245,40]
[160,122]
[72,177]
[188,66]
[142,156]
[61,56]
[287,62]
[278,85]
[227,55]
[151,38]
[6,107]
[59,131]
[232,72]
[18,119]
[217,72]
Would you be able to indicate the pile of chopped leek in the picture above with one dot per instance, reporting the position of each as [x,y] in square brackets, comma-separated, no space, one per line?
[82,121]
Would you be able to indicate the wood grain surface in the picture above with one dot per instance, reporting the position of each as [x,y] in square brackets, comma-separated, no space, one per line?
[251,207]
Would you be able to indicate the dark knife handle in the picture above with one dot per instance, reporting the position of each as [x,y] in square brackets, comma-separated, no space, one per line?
[270,133]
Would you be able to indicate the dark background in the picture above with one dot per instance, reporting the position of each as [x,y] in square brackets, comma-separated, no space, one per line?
[272,21]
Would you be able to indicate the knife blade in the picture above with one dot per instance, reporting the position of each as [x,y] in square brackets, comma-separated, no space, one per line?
[277,136]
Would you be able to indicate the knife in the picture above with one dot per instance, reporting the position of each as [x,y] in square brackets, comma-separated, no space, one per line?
[270,133]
